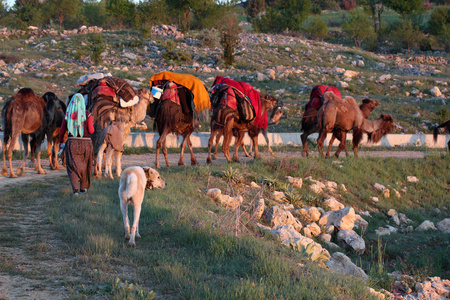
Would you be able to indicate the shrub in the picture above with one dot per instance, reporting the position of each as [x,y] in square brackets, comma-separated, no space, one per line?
[405,35]
[209,38]
[316,27]
[358,27]
[96,48]
[230,37]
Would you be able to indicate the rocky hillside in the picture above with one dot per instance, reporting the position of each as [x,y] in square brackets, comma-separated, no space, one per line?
[411,87]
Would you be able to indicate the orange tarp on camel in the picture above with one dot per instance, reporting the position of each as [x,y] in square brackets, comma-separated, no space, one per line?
[201,96]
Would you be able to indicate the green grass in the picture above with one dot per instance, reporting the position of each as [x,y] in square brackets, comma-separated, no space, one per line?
[192,248]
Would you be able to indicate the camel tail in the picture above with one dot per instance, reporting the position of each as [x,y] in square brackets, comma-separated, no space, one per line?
[357,136]
[6,117]
[435,134]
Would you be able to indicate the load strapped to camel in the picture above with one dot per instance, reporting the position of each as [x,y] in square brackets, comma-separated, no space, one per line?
[183,89]
[316,97]
[316,101]
[239,96]
[116,89]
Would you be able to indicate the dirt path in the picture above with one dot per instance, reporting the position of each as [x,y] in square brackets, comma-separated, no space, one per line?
[149,160]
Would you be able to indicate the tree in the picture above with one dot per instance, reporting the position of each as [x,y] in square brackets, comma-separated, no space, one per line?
[255,7]
[404,7]
[153,12]
[63,10]
[376,9]
[358,27]
[316,27]
[121,12]
[284,15]
[94,12]
[230,36]
[406,35]
[184,8]
[29,12]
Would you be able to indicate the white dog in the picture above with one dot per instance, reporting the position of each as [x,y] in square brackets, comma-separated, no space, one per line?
[133,183]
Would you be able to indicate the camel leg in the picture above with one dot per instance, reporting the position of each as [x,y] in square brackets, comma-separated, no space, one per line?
[266,137]
[159,144]
[164,151]
[49,154]
[189,143]
[357,136]
[54,156]
[304,137]
[330,144]
[98,167]
[118,163]
[4,170]
[210,144]
[320,140]
[227,134]
[38,162]
[237,143]
[21,169]
[108,162]
[255,143]
[342,146]
[218,136]
[183,147]
[33,145]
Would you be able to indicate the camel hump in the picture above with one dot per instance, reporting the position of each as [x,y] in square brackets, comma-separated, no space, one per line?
[330,97]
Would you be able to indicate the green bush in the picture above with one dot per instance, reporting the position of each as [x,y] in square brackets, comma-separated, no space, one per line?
[96,48]
[358,27]
[209,38]
[406,35]
[316,27]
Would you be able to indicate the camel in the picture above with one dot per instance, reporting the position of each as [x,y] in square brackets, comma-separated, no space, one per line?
[23,113]
[366,107]
[106,111]
[310,123]
[170,118]
[276,114]
[446,127]
[112,137]
[345,115]
[54,112]
[227,119]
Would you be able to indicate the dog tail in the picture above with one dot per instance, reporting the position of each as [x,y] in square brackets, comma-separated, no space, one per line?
[132,185]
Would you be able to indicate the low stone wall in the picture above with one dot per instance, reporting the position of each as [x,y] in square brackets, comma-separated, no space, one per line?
[146,139]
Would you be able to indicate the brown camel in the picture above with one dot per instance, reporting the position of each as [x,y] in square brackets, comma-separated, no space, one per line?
[446,127]
[310,123]
[54,112]
[227,119]
[23,113]
[105,111]
[345,115]
[366,107]
[171,117]
[276,114]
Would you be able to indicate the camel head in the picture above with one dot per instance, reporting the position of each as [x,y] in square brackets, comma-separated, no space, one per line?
[146,95]
[369,103]
[121,122]
[277,114]
[383,125]
[267,102]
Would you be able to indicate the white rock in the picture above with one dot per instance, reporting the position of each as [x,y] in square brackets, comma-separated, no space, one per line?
[350,74]
[426,225]
[342,84]
[435,92]
[340,263]
[342,219]
[314,228]
[379,187]
[214,193]
[295,181]
[444,225]
[278,196]
[374,199]
[385,77]
[310,214]
[412,179]
[382,231]
[258,210]
[352,239]
[254,185]
[333,204]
